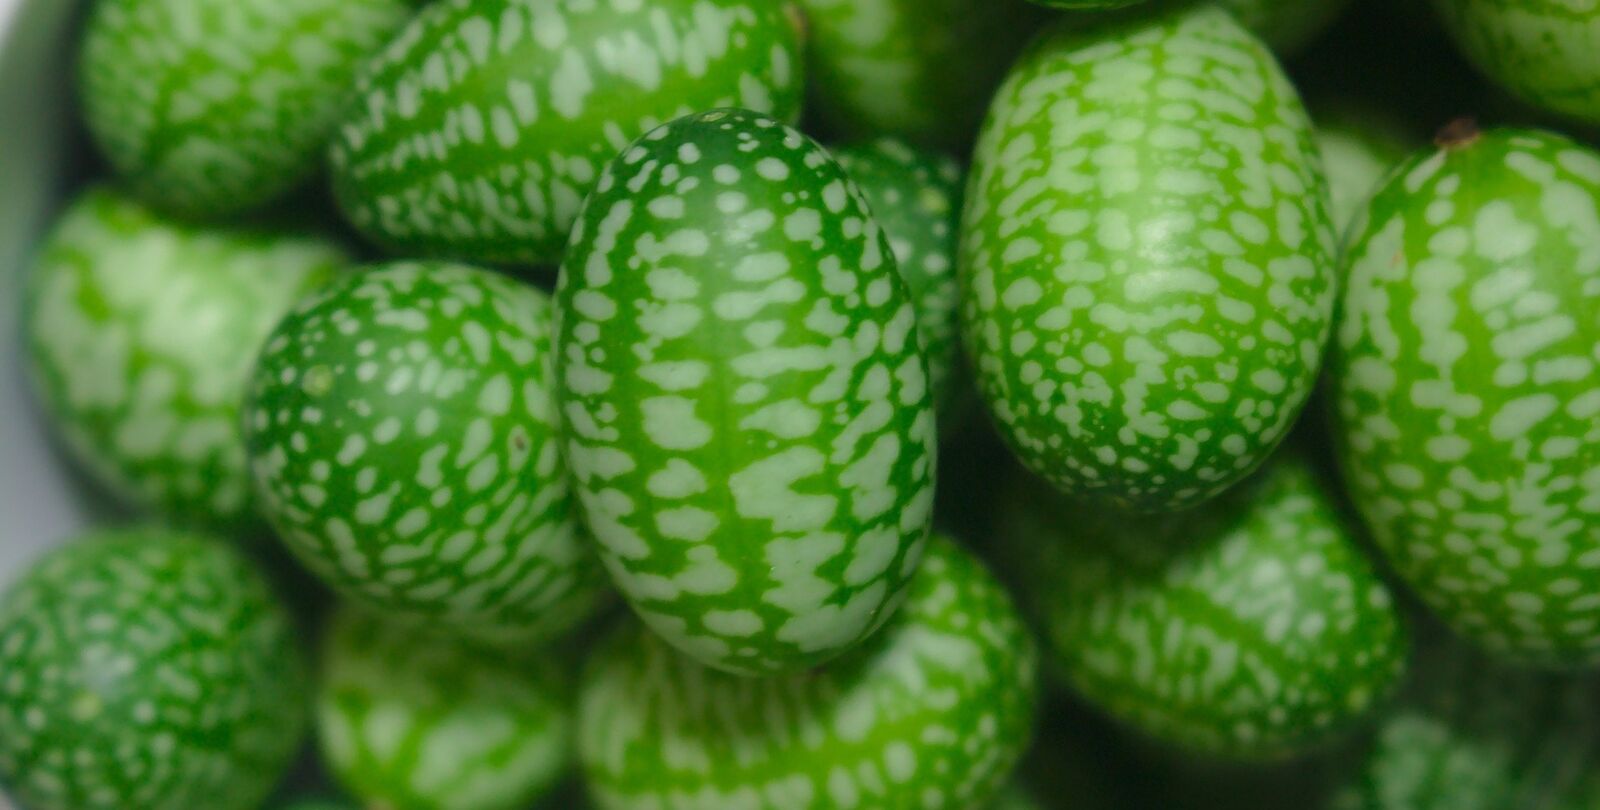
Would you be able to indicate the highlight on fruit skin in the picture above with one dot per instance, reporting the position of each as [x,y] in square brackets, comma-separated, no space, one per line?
[146,668]
[1146,301]
[934,710]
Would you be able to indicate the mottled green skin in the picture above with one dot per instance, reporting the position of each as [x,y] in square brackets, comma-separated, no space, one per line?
[933,712]
[1543,51]
[431,724]
[745,399]
[1468,404]
[139,333]
[1252,627]
[1472,734]
[916,197]
[479,131]
[403,442]
[1147,258]
[145,669]
[1359,149]
[921,70]
[214,107]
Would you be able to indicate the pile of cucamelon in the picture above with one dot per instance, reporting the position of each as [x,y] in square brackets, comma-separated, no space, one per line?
[790,404]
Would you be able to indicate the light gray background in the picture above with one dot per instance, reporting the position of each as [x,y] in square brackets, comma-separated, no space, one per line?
[39,503]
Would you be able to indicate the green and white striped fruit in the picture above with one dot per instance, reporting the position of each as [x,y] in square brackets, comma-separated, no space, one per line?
[916,197]
[403,440]
[1542,51]
[1359,149]
[1472,734]
[744,396]
[139,334]
[146,669]
[1147,258]
[932,712]
[1251,627]
[921,70]
[480,130]
[1468,407]
[213,107]
[432,724]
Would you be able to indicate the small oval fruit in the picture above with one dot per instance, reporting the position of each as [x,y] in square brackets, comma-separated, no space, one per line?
[744,395]
[1473,734]
[146,669]
[934,711]
[1468,415]
[479,131]
[1252,627]
[403,442]
[410,722]
[915,196]
[1147,258]
[213,107]
[139,333]
[920,70]
[1542,51]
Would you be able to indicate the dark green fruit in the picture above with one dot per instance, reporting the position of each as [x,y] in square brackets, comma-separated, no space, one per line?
[1147,258]
[1251,627]
[140,332]
[212,107]
[1543,51]
[1472,734]
[744,394]
[146,670]
[402,437]
[916,197]
[430,724]
[921,70]
[931,712]
[1468,409]
[1286,25]
[479,131]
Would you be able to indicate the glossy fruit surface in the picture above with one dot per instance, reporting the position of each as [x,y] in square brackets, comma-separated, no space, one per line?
[1468,408]
[910,69]
[1541,50]
[146,669]
[744,395]
[212,107]
[431,724]
[1147,258]
[402,438]
[916,196]
[140,332]
[478,132]
[1252,627]
[931,712]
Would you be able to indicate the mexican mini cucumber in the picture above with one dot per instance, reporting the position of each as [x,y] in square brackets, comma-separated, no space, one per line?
[933,711]
[433,724]
[915,196]
[402,438]
[918,70]
[140,331]
[744,395]
[1147,258]
[145,668]
[1467,395]
[1540,50]
[213,107]
[478,132]
[1250,628]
